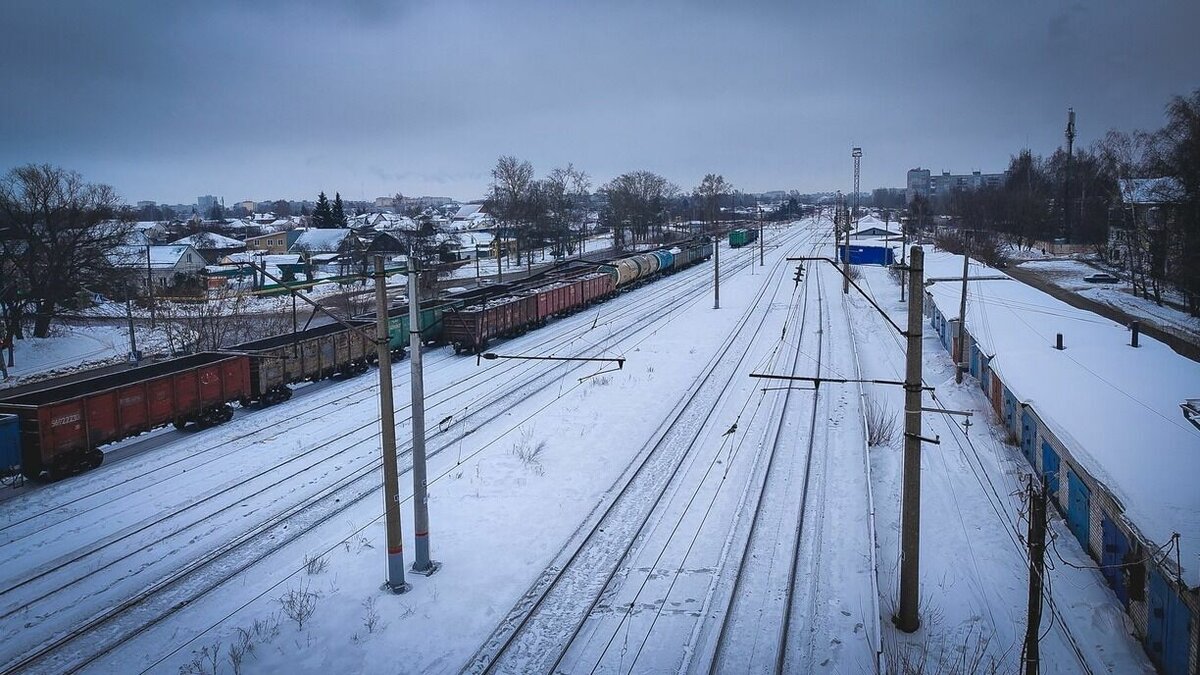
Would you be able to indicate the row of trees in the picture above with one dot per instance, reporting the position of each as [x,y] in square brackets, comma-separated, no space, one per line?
[634,207]
[59,234]
[1158,229]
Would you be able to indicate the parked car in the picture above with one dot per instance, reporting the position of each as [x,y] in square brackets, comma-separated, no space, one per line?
[1101,278]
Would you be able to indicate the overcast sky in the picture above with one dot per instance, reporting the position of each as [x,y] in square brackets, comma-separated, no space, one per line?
[267,99]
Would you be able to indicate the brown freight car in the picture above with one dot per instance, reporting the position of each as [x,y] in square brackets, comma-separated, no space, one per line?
[471,329]
[311,354]
[62,426]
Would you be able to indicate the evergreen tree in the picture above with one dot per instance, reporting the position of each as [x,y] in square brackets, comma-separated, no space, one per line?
[322,214]
[339,212]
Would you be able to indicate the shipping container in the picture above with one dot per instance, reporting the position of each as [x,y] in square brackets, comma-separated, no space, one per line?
[10,445]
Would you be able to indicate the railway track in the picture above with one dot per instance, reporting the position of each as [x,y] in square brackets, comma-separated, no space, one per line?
[105,630]
[536,633]
[144,481]
[761,595]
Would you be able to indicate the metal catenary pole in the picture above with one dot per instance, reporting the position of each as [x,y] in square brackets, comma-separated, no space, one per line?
[387,421]
[421,563]
[906,618]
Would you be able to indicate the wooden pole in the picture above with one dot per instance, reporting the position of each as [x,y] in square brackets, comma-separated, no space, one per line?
[1037,549]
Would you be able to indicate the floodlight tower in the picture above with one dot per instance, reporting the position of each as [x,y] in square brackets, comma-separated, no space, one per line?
[856,153]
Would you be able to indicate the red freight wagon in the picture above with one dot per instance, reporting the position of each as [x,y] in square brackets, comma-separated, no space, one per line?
[471,328]
[61,426]
[556,298]
[597,286]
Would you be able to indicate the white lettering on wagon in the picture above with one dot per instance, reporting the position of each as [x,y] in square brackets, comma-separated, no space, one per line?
[65,419]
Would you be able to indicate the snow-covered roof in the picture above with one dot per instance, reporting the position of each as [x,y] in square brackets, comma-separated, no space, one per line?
[471,239]
[252,257]
[1150,190]
[164,256]
[1117,408]
[209,240]
[321,240]
[467,210]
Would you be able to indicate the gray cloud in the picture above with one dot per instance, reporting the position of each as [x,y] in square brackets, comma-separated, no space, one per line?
[269,99]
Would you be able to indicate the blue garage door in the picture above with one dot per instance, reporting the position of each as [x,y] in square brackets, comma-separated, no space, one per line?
[1027,443]
[1050,468]
[1078,503]
[975,360]
[1114,550]
[1167,628]
[985,376]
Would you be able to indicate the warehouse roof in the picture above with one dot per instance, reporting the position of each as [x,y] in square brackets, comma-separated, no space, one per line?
[1116,408]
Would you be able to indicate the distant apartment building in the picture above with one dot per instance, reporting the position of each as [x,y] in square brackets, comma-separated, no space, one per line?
[205,203]
[925,183]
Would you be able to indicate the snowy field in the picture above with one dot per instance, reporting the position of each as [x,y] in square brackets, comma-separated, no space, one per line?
[72,348]
[1069,273]
[675,515]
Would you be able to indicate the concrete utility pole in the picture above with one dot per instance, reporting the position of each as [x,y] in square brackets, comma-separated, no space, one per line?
[846,251]
[903,249]
[421,564]
[716,271]
[760,237]
[1037,549]
[960,348]
[134,356]
[906,618]
[387,422]
[150,288]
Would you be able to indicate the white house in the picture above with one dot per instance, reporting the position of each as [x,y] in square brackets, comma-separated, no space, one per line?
[168,264]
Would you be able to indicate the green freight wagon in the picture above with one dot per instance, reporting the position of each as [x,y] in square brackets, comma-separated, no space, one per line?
[739,238]
[431,323]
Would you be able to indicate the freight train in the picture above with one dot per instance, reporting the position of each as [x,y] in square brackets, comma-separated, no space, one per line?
[54,428]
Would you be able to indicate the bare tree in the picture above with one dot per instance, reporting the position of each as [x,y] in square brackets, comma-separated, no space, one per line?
[712,187]
[636,202]
[57,233]
[508,199]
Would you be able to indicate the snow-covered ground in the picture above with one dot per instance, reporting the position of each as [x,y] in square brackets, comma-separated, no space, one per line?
[627,513]
[1068,274]
[72,348]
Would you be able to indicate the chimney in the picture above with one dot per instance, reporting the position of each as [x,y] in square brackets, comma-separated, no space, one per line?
[1059,342]
[1135,327]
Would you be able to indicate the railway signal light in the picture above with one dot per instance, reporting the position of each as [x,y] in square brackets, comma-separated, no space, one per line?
[799,274]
